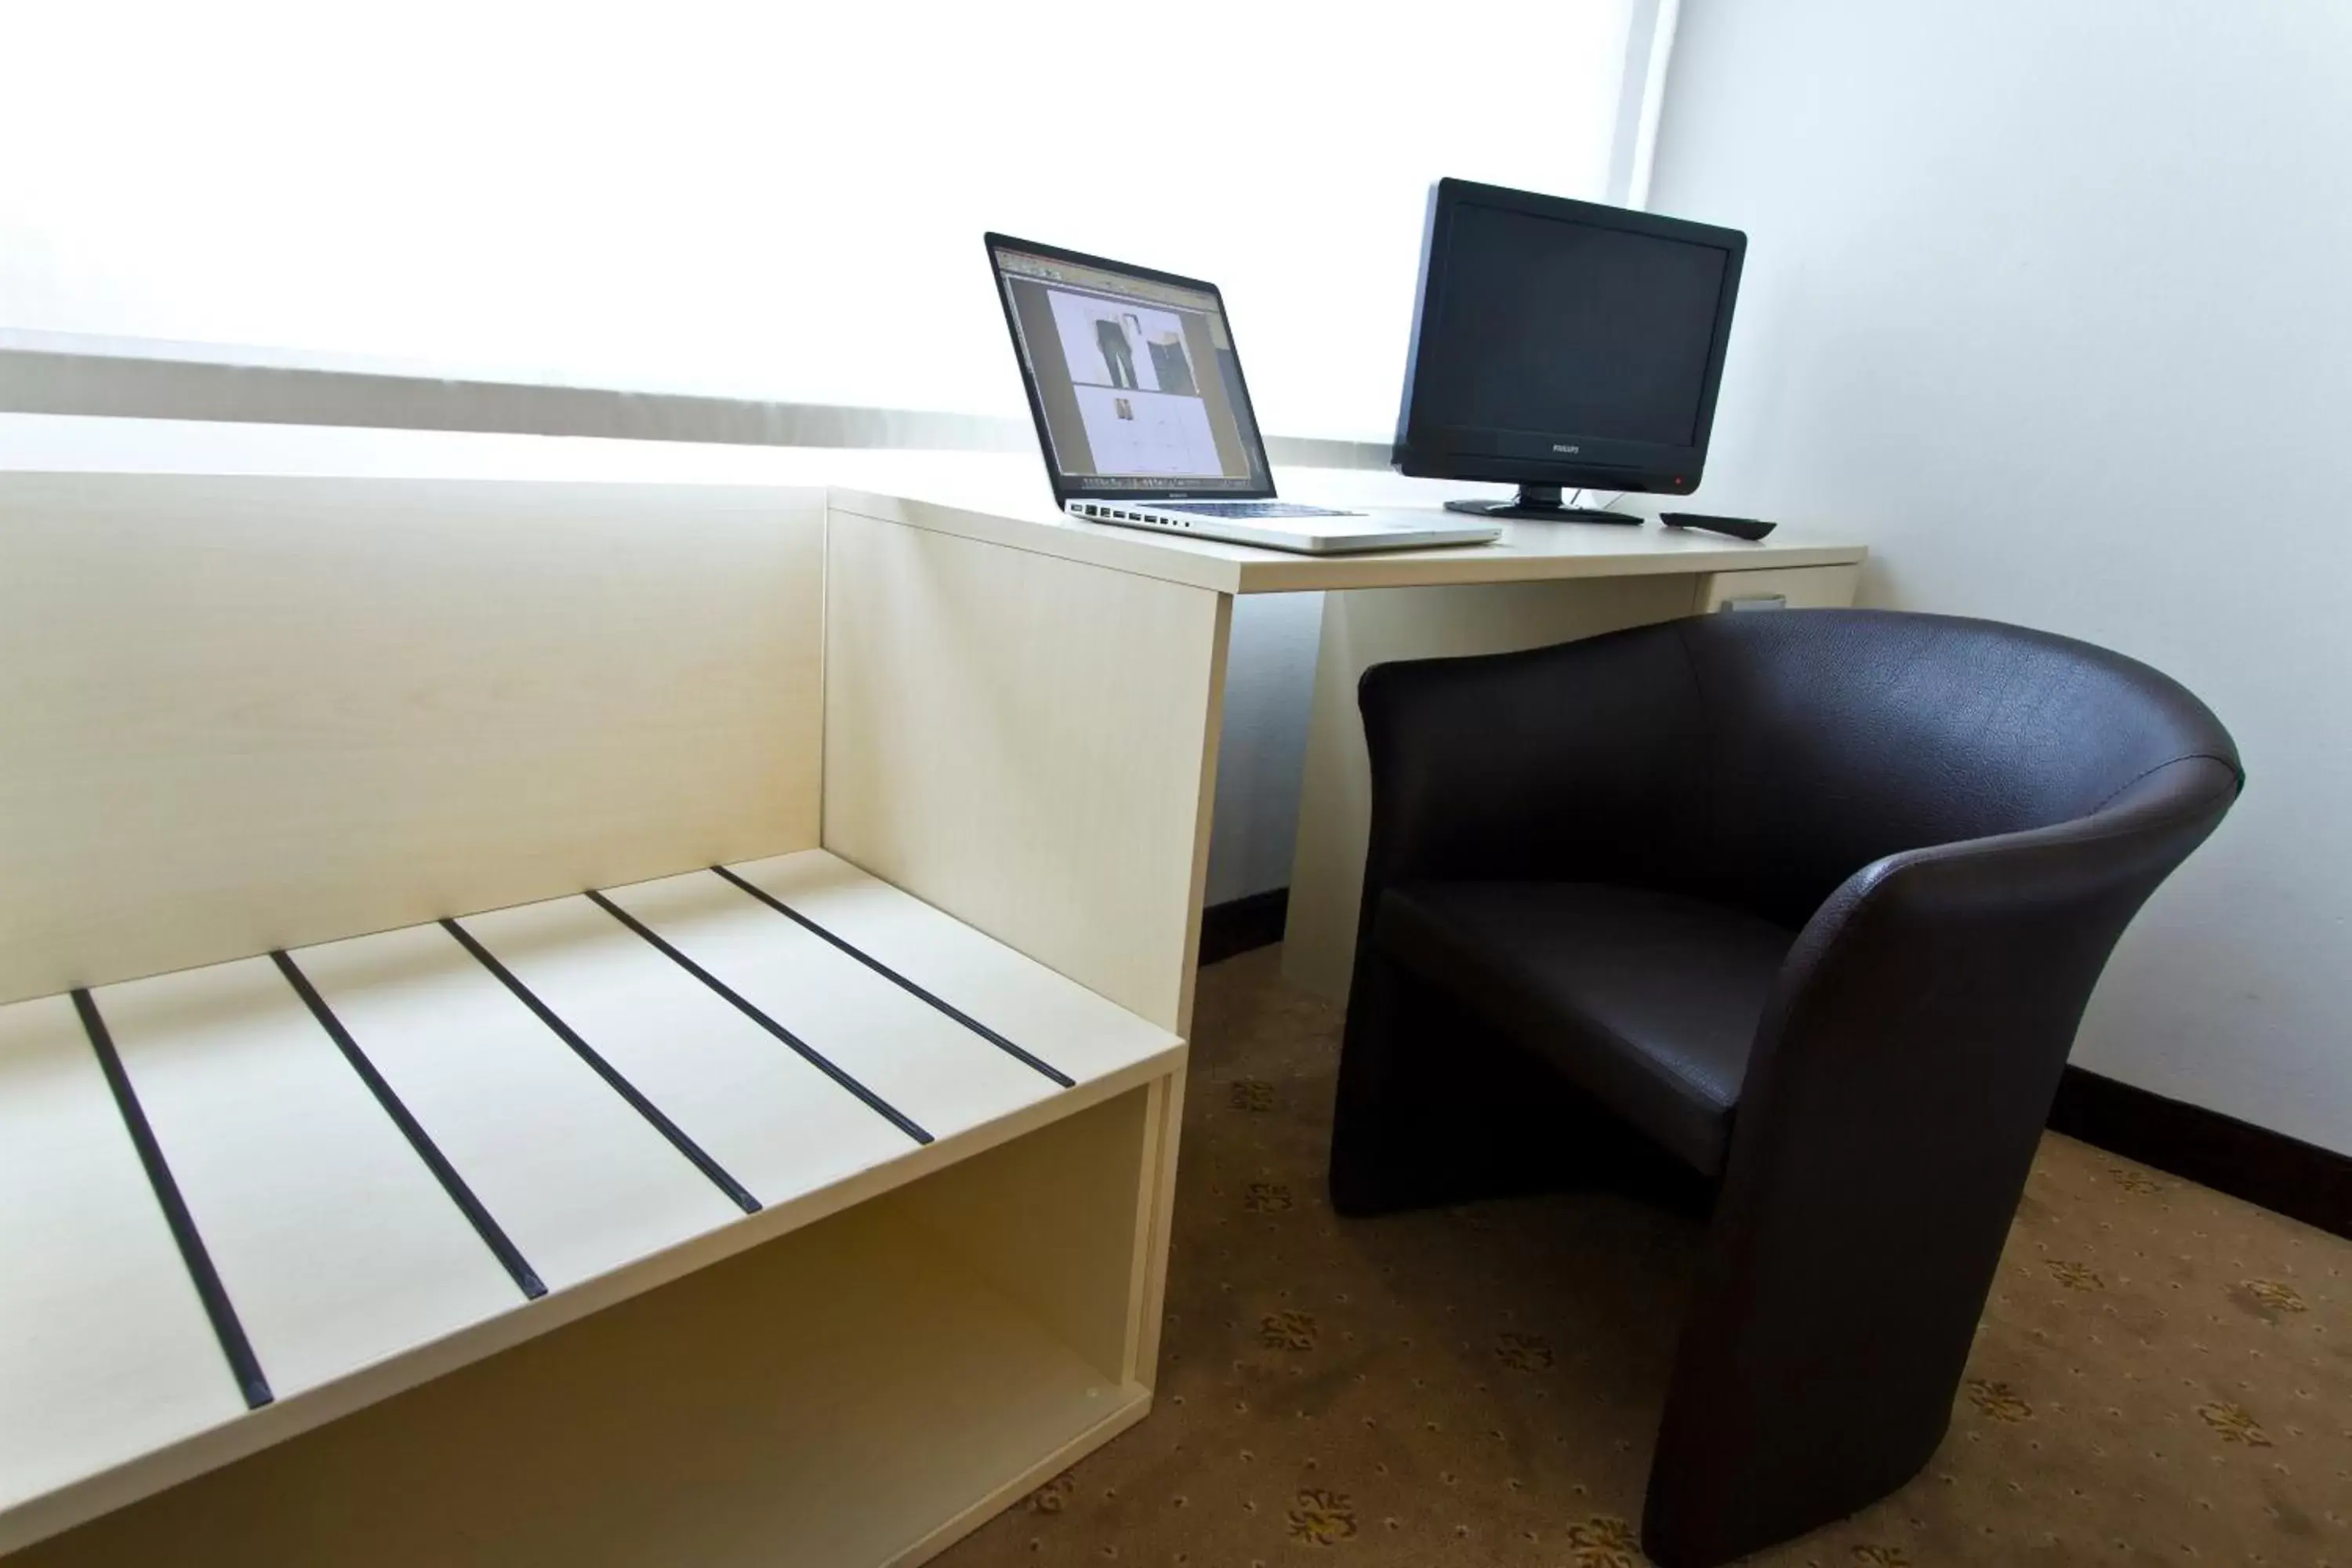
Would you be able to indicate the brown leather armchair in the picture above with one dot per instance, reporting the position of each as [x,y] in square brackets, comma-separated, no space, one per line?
[1806,904]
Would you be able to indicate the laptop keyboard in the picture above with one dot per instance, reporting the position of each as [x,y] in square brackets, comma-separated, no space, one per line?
[1247,509]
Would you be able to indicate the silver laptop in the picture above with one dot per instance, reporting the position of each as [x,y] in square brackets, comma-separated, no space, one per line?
[1144,418]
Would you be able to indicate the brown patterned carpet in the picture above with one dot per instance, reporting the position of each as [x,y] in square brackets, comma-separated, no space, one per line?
[2164,1374]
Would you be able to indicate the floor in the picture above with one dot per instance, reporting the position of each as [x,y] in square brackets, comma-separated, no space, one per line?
[2164,1374]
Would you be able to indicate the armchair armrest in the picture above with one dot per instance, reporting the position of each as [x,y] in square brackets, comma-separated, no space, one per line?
[1900,1081]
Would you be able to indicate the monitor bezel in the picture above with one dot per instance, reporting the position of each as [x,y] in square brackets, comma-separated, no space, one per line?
[1428,447]
[1252,435]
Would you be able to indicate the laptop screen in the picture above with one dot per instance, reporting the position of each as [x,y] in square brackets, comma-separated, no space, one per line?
[1132,378]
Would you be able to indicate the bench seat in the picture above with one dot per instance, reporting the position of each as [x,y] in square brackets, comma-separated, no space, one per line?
[239,1201]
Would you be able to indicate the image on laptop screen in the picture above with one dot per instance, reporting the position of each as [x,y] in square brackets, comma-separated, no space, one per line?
[1133,378]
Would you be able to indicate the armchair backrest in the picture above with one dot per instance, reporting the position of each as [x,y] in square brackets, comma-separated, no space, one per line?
[1759,760]
[1835,738]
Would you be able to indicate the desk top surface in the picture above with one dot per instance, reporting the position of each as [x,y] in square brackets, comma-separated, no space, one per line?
[1005,501]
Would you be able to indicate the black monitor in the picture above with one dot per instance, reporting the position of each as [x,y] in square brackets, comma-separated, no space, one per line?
[1559,344]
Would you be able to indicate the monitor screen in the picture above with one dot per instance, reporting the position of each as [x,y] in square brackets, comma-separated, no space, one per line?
[1132,378]
[1562,328]
[1565,334]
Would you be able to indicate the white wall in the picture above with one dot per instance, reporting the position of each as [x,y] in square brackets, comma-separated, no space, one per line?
[2052,305]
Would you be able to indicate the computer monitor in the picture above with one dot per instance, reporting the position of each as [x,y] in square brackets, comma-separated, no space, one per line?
[1559,343]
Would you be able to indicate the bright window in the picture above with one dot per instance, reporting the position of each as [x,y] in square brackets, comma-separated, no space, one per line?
[769,200]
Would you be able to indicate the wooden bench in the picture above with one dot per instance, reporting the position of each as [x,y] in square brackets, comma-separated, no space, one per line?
[419,947]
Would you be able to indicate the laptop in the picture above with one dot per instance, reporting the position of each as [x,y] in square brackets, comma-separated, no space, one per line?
[1143,416]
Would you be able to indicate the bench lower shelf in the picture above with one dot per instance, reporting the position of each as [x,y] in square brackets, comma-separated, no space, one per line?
[854,1393]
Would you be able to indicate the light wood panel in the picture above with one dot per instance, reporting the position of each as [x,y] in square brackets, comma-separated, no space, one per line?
[1015,995]
[580,1181]
[280,1148]
[1010,506]
[1074,1256]
[1020,998]
[852,1394]
[775,1122]
[1361,629]
[1028,743]
[246,713]
[919,1060]
[102,1333]
[354,1272]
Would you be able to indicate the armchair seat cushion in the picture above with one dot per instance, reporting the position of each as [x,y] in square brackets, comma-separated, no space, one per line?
[1645,1000]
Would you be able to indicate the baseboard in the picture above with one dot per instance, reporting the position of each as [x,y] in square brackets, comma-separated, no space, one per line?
[1238,925]
[2296,1179]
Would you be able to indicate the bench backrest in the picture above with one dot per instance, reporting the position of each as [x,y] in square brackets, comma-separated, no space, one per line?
[244,714]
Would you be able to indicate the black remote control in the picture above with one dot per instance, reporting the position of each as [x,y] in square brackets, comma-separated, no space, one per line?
[1747,528]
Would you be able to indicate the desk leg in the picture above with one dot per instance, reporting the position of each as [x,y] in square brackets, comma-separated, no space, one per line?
[1372,625]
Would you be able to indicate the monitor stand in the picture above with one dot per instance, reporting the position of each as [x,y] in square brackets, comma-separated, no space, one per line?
[1540,503]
